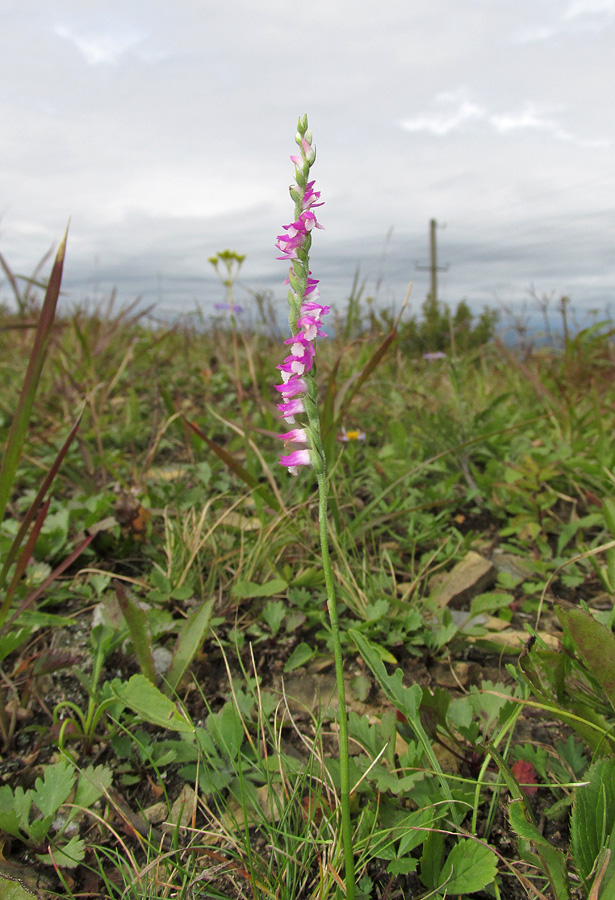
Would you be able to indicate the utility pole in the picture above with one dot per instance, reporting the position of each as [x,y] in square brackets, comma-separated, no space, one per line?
[433,266]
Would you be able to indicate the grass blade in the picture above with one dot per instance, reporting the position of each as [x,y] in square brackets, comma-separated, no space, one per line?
[229,460]
[19,426]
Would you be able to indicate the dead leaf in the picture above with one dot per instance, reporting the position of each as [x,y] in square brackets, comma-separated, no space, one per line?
[513,640]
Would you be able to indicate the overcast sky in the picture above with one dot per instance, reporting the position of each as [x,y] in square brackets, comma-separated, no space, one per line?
[163,130]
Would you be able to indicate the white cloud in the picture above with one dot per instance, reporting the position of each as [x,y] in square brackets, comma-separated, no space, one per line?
[101,48]
[460,111]
[530,117]
[456,110]
[579,8]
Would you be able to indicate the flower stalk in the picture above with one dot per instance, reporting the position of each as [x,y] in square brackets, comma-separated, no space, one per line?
[299,398]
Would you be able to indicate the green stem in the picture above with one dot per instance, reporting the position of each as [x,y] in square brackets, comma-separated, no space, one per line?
[341,691]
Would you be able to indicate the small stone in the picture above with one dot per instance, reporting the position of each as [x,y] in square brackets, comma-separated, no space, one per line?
[162,660]
[470,577]
[156,813]
[183,807]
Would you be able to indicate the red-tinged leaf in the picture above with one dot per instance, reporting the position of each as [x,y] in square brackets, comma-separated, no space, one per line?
[525,773]
[40,590]
[23,561]
[35,506]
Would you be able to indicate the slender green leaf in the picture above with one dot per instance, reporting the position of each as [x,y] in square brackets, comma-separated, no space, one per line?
[299,657]
[138,626]
[35,506]
[189,640]
[240,471]
[553,860]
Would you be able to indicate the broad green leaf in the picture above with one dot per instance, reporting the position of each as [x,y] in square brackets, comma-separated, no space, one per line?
[273,614]
[11,889]
[14,810]
[415,829]
[596,644]
[93,783]
[51,791]
[592,822]
[227,730]
[67,857]
[146,700]
[490,601]
[38,829]
[402,866]
[384,780]
[488,702]
[469,867]
[572,753]
[300,655]
[376,611]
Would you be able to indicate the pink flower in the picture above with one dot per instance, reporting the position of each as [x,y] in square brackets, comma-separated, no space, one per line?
[297,458]
[303,298]
[300,360]
[316,309]
[309,327]
[297,436]
[291,387]
[291,409]
[311,196]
